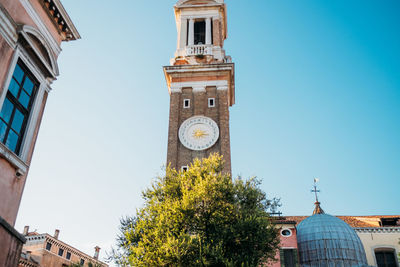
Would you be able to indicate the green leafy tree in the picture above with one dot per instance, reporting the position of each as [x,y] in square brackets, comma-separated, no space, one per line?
[199,218]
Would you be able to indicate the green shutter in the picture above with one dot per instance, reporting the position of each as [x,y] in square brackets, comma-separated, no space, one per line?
[296,258]
[282,257]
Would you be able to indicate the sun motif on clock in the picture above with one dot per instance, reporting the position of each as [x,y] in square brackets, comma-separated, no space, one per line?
[198,133]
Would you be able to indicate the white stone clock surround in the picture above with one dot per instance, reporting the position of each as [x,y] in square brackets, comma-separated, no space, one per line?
[198,133]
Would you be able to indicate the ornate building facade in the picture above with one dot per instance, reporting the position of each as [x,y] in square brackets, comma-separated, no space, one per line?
[31,33]
[201,85]
[44,250]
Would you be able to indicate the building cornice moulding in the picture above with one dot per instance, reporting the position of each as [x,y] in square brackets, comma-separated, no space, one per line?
[377,229]
[200,16]
[199,68]
[67,19]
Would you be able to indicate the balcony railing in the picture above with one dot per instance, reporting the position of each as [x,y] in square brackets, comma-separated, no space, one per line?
[194,50]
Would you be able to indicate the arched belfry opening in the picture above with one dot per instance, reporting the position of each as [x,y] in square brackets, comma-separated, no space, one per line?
[199,33]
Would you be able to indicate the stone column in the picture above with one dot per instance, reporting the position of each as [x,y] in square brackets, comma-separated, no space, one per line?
[217,32]
[182,34]
[208,31]
[191,32]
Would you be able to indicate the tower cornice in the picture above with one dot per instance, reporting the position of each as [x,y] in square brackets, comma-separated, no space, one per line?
[221,76]
[184,3]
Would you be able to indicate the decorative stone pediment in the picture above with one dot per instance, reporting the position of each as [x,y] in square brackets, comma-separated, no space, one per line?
[182,3]
[34,42]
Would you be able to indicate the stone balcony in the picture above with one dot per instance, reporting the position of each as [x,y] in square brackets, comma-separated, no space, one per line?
[195,50]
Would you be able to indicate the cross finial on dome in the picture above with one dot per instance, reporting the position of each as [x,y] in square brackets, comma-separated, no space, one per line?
[315,190]
[318,209]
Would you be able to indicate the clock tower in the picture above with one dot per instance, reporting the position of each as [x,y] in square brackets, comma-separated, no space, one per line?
[201,84]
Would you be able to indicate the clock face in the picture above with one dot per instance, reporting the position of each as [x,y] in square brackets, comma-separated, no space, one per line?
[198,133]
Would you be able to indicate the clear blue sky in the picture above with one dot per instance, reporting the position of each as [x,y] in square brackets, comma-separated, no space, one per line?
[317,95]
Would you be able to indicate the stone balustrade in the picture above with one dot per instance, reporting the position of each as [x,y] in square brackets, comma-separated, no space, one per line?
[195,50]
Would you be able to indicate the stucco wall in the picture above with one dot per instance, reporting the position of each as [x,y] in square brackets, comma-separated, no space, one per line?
[372,241]
[10,246]
[10,187]
[10,191]
[17,12]
[6,53]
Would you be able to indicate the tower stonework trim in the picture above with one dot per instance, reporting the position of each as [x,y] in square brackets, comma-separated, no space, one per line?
[224,128]
[173,130]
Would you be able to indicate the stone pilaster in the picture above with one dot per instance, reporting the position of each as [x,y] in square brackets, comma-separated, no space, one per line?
[173,142]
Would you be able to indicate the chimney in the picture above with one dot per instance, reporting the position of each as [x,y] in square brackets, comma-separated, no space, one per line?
[56,233]
[96,252]
[26,230]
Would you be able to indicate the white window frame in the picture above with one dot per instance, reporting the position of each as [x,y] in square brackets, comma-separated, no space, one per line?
[58,253]
[290,232]
[185,168]
[184,103]
[209,102]
[21,161]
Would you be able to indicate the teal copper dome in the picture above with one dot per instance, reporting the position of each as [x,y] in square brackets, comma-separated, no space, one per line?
[327,241]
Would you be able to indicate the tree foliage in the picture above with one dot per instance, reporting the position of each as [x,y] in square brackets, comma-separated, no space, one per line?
[199,218]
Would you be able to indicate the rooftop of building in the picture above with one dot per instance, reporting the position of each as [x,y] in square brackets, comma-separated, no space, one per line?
[28,260]
[369,221]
